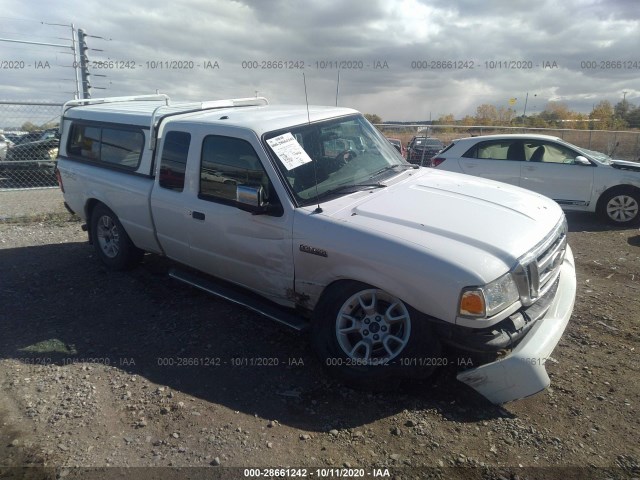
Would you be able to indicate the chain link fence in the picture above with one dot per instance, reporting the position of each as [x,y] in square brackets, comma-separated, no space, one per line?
[29,144]
[617,144]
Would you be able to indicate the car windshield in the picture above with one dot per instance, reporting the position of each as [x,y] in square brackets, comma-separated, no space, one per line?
[433,142]
[333,157]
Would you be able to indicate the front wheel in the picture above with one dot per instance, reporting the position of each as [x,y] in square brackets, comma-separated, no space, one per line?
[113,246]
[620,207]
[370,339]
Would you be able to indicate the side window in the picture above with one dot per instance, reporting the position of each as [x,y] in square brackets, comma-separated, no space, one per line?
[121,147]
[114,146]
[85,142]
[226,163]
[547,152]
[497,150]
[174,160]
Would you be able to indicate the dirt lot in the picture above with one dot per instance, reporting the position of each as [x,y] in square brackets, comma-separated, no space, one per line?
[102,369]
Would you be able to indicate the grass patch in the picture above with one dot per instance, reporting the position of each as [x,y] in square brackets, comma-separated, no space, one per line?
[53,345]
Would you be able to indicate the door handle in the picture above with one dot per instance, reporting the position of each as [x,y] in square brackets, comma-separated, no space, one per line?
[197,215]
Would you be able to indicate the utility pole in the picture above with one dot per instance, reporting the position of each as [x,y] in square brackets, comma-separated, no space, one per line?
[526,100]
[84,64]
[76,68]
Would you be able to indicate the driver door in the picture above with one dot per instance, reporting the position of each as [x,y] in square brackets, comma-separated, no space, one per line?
[550,169]
[254,251]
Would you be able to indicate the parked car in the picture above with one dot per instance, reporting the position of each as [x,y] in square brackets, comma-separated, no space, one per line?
[421,149]
[398,146]
[35,136]
[5,143]
[32,162]
[577,178]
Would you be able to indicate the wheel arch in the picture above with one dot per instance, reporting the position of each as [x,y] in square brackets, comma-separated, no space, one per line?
[89,207]
[343,282]
[602,209]
[622,187]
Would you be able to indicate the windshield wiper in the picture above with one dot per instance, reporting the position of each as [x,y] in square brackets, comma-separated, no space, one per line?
[353,186]
[391,167]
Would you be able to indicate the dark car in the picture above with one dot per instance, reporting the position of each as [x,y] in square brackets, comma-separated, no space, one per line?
[32,162]
[421,149]
[34,136]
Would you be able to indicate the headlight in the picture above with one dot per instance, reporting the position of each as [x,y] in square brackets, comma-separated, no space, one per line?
[489,299]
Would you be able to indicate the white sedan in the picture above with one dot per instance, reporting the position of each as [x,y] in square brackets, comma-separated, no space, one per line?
[576,178]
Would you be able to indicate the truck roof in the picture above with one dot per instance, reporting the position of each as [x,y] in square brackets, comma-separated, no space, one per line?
[261,119]
[265,118]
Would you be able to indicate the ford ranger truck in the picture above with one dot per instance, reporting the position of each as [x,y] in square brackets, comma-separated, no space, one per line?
[308,216]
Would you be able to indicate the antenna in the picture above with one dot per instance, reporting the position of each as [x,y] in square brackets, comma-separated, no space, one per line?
[315,170]
[338,87]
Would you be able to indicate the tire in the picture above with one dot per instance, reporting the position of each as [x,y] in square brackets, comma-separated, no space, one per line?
[620,206]
[359,358]
[113,246]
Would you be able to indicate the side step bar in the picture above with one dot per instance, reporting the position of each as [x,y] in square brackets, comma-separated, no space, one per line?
[248,300]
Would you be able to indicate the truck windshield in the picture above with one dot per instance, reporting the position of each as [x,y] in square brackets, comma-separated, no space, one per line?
[345,151]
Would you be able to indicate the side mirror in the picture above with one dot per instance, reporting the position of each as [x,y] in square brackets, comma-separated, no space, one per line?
[250,199]
[580,160]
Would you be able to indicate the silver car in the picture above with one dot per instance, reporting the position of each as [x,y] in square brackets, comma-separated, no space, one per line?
[5,143]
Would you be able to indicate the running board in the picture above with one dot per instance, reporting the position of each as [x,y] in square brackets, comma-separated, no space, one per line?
[248,300]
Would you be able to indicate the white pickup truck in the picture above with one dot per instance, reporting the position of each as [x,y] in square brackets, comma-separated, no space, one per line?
[307,215]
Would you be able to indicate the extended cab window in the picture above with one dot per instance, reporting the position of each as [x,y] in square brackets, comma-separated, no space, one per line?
[174,160]
[119,147]
[226,163]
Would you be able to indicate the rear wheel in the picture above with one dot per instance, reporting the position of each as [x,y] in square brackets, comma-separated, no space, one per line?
[620,206]
[370,339]
[113,246]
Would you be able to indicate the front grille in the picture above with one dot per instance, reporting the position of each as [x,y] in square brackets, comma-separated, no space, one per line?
[540,268]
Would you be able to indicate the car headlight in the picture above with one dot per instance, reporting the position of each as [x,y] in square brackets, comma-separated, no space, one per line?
[489,299]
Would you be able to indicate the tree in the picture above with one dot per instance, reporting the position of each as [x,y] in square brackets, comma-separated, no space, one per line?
[486,114]
[622,109]
[633,117]
[468,120]
[536,121]
[505,115]
[602,115]
[555,112]
[29,127]
[373,118]
[621,113]
[448,119]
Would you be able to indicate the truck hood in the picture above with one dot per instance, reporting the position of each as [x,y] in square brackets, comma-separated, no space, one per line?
[446,212]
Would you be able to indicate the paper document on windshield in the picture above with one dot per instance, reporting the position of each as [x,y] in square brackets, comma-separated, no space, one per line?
[289,151]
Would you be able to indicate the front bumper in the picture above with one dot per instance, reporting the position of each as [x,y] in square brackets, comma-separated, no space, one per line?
[522,372]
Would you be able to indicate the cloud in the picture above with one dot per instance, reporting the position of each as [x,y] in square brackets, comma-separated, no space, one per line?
[554,51]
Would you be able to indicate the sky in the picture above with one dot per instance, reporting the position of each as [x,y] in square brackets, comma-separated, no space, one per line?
[395,59]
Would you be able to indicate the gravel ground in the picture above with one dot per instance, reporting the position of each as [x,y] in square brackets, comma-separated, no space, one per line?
[20,204]
[102,369]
